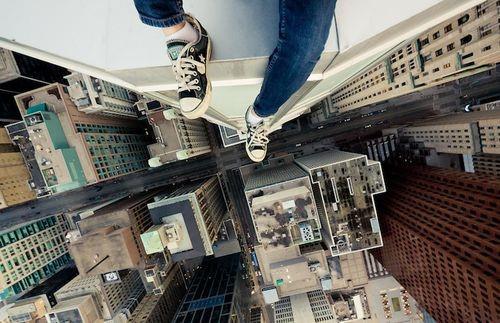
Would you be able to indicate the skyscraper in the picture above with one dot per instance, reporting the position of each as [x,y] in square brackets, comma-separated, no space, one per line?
[92,95]
[344,185]
[216,293]
[30,253]
[20,73]
[454,48]
[73,148]
[109,239]
[177,138]
[14,176]
[187,220]
[440,229]
[460,133]
[162,308]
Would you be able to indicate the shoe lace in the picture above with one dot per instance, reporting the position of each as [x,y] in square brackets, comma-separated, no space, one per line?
[258,135]
[186,69]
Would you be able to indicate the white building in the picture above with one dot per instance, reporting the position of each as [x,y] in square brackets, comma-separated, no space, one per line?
[93,95]
[119,49]
[306,307]
[343,185]
[462,45]
[177,138]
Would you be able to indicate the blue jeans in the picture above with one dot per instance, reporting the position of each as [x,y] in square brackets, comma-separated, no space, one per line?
[303,30]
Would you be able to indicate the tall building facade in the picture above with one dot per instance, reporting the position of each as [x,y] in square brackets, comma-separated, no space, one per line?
[440,227]
[30,253]
[110,239]
[187,220]
[177,138]
[216,293]
[450,50]
[461,133]
[73,148]
[14,176]
[20,73]
[308,307]
[162,308]
[487,164]
[92,95]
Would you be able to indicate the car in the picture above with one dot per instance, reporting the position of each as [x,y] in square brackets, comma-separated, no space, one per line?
[298,145]
[320,127]
[368,126]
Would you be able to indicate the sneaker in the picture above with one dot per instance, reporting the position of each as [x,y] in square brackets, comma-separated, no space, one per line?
[189,63]
[256,143]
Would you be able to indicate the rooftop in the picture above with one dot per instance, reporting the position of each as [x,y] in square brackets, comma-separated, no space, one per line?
[346,183]
[290,271]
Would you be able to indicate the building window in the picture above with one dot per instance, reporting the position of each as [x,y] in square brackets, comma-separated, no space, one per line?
[462,20]
[450,47]
[448,28]
[439,52]
[425,41]
[487,48]
[466,39]
[435,35]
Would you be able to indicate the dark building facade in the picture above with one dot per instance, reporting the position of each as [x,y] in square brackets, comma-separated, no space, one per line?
[21,73]
[440,229]
[216,293]
[162,308]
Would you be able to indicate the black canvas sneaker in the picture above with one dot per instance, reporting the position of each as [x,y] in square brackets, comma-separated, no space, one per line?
[256,143]
[189,63]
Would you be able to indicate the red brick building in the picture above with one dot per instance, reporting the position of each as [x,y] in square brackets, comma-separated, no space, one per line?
[441,240]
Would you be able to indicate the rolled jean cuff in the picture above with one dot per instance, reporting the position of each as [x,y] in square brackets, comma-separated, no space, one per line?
[258,111]
[163,23]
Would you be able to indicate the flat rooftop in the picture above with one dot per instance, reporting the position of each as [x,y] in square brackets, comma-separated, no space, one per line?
[290,271]
[282,206]
[346,183]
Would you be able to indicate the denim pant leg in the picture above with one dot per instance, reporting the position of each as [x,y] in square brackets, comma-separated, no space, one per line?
[160,13]
[303,31]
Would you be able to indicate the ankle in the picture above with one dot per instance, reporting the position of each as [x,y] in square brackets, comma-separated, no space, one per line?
[253,118]
[186,32]
[168,31]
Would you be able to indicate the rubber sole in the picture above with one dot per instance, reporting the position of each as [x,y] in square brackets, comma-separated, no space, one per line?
[200,110]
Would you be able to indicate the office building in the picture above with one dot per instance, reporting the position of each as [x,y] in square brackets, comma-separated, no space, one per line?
[282,205]
[14,176]
[92,95]
[73,148]
[162,307]
[459,46]
[487,164]
[389,301]
[344,184]
[109,238]
[287,225]
[439,228]
[350,305]
[348,271]
[216,293]
[30,253]
[90,296]
[306,307]
[29,310]
[460,133]
[20,73]
[177,138]
[187,220]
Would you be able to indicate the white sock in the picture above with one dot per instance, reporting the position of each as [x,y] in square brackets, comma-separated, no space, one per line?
[252,117]
[187,33]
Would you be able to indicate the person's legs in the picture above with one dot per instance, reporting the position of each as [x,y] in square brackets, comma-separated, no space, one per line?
[303,30]
[189,50]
